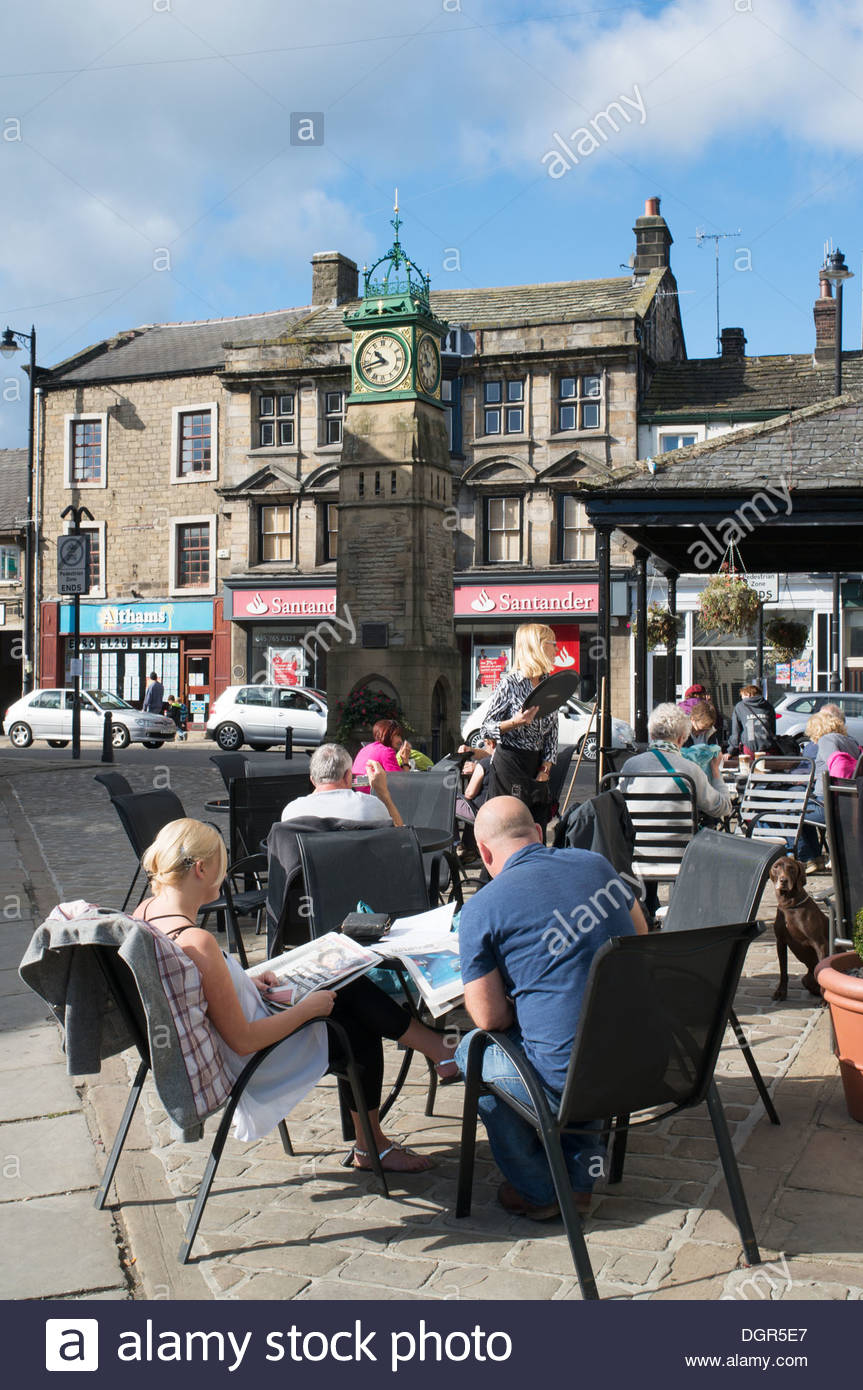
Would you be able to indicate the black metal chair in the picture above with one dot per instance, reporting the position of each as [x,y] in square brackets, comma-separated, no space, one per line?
[124,991]
[142,815]
[559,773]
[665,818]
[843,814]
[674,992]
[428,798]
[254,804]
[382,868]
[114,783]
[721,880]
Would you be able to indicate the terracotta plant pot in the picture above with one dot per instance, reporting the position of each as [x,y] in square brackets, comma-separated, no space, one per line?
[844,994]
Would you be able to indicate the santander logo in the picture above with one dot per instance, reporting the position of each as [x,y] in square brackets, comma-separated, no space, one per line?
[483,603]
[257,608]
[564,658]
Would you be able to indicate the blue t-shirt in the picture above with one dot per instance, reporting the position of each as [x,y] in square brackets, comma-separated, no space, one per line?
[540,923]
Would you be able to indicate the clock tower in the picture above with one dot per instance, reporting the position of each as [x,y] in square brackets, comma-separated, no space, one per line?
[395,550]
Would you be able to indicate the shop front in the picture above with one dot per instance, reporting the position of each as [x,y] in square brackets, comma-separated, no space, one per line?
[122,641]
[285,633]
[486,618]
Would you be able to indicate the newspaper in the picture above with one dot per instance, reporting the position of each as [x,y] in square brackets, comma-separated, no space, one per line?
[326,963]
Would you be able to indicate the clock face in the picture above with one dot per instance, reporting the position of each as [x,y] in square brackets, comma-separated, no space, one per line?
[428,364]
[382,359]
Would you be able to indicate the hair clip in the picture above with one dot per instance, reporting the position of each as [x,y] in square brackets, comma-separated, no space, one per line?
[188,861]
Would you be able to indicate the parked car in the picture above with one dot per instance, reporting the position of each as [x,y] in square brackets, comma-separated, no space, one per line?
[260,714]
[572,722]
[48,714]
[793,711]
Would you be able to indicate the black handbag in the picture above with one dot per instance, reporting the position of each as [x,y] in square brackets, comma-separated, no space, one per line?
[367,927]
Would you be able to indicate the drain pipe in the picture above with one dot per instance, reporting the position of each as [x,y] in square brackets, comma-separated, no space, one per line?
[37,534]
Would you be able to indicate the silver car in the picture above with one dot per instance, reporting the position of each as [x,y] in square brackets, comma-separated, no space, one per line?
[794,709]
[48,714]
[573,719]
[260,714]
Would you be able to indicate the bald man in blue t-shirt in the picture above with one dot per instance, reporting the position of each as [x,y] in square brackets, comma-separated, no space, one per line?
[526,941]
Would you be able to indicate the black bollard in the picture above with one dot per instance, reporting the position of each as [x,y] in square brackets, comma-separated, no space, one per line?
[289,742]
[107,739]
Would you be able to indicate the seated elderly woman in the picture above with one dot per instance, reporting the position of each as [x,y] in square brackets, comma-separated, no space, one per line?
[827,735]
[668,729]
[186,865]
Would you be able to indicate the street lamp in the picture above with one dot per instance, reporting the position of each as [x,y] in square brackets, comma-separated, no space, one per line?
[835,270]
[10,343]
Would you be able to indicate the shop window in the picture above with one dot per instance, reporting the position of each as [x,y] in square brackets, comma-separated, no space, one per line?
[85,451]
[329,531]
[332,416]
[10,563]
[450,392]
[96,571]
[576,538]
[276,419]
[669,442]
[192,549]
[277,533]
[503,406]
[579,402]
[502,530]
[194,443]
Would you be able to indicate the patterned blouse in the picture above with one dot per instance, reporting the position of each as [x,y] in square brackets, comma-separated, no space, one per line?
[507,700]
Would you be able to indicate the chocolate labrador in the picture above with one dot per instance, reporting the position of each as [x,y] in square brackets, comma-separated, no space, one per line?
[800,924]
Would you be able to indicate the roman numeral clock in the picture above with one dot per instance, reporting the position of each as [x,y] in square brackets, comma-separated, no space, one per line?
[395,553]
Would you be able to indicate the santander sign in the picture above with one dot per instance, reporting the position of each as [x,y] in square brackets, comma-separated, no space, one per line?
[499,600]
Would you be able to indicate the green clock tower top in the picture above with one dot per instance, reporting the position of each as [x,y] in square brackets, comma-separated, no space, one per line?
[396,337]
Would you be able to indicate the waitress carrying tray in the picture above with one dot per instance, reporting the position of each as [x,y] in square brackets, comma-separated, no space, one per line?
[552,692]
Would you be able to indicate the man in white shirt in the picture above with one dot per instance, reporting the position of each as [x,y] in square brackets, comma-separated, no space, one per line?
[331,777]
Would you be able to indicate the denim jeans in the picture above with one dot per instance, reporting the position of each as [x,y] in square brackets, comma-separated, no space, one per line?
[808,842]
[515,1144]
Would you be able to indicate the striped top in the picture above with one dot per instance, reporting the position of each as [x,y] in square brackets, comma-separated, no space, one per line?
[540,736]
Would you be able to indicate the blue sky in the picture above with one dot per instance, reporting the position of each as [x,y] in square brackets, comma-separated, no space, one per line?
[132,128]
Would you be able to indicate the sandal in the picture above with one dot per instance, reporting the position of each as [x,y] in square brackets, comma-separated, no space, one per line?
[447,1077]
[396,1167]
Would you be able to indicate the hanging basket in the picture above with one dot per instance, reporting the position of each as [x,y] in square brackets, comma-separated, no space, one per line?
[728,604]
[661,626]
[788,639]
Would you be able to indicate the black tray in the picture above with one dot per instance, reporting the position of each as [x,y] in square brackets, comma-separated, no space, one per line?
[552,692]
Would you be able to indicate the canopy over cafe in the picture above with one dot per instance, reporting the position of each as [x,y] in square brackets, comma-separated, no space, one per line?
[689,508]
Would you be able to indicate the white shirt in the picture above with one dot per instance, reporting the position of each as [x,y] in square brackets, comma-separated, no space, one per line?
[342,804]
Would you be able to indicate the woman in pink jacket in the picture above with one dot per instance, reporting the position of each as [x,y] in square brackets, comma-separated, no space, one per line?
[390,748]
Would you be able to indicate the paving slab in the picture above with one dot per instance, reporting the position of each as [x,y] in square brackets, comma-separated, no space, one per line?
[46,1156]
[29,1092]
[64,1247]
[30,1047]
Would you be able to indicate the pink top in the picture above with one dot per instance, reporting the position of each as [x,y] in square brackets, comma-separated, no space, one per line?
[379,753]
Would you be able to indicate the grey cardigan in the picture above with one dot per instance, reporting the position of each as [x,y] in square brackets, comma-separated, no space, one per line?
[71,982]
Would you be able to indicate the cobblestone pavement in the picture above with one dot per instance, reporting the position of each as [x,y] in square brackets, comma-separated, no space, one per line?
[304,1227]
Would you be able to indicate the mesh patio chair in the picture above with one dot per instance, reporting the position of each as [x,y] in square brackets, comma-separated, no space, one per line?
[114,783]
[124,991]
[382,868]
[774,800]
[674,990]
[142,815]
[254,804]
[428,798]
[721,881]
[664,818]
[230,765]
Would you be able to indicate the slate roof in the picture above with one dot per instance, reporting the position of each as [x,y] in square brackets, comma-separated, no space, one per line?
[739,386]
[173,348]
[815,449]
[13,488]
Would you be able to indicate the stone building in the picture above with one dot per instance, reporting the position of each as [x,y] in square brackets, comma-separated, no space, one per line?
[688,405]
[13,511]
[209,453]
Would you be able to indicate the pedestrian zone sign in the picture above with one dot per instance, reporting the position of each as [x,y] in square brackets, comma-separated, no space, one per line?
[73,563]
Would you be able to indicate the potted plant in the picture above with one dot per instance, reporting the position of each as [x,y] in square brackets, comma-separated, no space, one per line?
[360,712]
[661,626]
[841,981]
[788,639]
[728,604]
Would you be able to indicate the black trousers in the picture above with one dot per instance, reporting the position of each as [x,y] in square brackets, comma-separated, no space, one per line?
[367,1016]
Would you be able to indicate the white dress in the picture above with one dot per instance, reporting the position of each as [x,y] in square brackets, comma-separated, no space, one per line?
[289,1073]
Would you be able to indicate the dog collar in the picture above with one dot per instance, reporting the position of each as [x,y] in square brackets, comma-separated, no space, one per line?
[805,898]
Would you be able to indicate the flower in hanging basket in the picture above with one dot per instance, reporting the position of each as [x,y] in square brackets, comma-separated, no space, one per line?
[661,626]
[728,604]
[787,638]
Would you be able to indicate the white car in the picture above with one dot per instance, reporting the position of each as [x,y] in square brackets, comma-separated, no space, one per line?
[794,709]
[572,722]
[48,714]
[260,714]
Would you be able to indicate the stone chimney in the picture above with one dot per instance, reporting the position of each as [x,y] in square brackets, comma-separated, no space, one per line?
[825,326]
[334,279]
[733,342]
[652,240]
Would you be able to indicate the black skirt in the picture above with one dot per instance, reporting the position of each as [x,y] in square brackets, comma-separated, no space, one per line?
[513,773]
